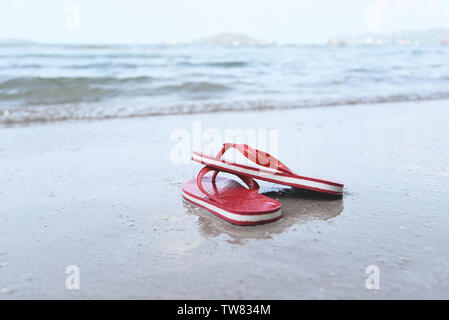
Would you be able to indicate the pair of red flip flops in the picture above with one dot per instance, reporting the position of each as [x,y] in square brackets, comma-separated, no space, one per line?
[236,204]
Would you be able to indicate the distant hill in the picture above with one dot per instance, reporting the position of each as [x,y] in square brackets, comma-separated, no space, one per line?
[427,37]
[233,39]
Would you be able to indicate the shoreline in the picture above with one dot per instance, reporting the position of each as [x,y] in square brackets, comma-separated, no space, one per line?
[218,108]
[103,195]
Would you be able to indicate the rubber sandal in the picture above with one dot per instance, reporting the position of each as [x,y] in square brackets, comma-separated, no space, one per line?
[229,200]
[275,170]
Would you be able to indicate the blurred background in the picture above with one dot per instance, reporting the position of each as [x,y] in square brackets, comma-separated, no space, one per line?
[104,59]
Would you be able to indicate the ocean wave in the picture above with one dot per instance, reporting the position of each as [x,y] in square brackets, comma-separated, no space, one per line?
[58,82]
[109,65]
[61,90]
[80,56]
[221,64]
[194,87]
[24,115]
[81,66]
[22,66]
[64,90]
[50,96]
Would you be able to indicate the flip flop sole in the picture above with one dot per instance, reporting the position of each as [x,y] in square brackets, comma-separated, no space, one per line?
[239,219]
[236,205]
[264,174]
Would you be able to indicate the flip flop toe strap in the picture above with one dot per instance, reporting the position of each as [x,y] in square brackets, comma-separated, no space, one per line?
[257,156]
[251,183]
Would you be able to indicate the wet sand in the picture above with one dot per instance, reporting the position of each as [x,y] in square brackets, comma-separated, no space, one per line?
[103,195]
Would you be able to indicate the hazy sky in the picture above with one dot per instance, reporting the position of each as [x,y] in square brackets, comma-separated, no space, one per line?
[291,21]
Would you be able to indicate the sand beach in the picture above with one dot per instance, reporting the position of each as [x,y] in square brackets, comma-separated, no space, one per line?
[104,196]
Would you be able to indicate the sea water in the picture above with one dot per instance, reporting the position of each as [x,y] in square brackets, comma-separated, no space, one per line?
[63,82]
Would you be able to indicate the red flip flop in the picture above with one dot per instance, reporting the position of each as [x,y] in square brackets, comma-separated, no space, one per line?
[229,200]
[276,171]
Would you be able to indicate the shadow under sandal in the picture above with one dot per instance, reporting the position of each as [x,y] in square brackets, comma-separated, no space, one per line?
[229,200]
[274,171]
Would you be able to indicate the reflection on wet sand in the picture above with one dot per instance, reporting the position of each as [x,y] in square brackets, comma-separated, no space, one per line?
[298,207]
